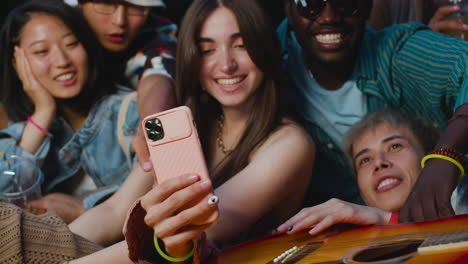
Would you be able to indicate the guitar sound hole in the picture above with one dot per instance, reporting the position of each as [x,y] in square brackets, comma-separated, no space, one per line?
[388,251]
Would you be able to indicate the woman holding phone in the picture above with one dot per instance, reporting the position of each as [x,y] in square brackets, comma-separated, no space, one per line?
[229,74]
[259,160]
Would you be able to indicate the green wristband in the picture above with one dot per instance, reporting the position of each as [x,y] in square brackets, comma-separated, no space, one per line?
[167,257]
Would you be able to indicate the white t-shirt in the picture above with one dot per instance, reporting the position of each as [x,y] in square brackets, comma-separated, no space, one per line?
[334,111]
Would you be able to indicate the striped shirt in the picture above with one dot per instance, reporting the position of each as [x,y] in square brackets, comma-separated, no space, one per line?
[407,67]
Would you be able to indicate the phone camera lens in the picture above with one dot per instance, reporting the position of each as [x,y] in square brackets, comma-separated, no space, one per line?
[158,129]
[150,124]
[154,129]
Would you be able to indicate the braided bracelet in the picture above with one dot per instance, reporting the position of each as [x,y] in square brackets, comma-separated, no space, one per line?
[167,257]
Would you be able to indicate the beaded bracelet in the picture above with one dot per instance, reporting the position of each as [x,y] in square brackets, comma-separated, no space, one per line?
[47,133]
[167,257]
[439,156]
[449,153]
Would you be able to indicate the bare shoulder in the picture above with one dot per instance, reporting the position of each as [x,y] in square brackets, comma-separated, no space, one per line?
[290,137]
[291,133]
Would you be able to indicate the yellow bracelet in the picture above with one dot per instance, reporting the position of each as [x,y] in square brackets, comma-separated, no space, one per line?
[438,156]
[167,257]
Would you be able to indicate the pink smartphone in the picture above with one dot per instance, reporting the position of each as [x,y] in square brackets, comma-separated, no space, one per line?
[173,144]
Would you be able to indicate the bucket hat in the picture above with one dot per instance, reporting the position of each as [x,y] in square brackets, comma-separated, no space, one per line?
[154,3]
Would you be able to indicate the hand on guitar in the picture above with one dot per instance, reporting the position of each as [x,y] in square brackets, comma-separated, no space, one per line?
[332,212]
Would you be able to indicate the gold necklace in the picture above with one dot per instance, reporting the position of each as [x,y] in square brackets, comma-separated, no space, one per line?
[219,136]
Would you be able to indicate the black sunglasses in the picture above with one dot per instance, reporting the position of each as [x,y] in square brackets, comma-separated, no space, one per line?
[311,9]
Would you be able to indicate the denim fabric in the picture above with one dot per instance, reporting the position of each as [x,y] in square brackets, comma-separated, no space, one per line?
[94,148]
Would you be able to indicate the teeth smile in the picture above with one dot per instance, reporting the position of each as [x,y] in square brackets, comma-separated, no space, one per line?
[329,38]
[229,81]
[65,77]
[386,182]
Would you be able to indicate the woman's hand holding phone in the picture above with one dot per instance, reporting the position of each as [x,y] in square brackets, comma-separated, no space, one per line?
[182,205]
[178,211]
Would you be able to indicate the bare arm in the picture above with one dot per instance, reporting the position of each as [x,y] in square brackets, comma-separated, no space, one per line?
[430,197]
[116,254]
[103,224]
[155,94]
[279,171]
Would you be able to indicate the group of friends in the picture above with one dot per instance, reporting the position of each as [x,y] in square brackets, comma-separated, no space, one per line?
[322,120]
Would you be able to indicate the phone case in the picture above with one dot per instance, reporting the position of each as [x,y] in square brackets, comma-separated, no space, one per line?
[175,149]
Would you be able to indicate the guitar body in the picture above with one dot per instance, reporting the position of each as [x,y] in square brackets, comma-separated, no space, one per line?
[408,243]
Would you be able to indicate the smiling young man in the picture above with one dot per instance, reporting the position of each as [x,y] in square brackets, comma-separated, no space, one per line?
[341,70]
[384,149]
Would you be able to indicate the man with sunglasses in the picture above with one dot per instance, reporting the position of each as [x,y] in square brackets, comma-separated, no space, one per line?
[340,70]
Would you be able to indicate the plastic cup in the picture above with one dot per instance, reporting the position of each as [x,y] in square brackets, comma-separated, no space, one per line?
[20,182]
[461,16]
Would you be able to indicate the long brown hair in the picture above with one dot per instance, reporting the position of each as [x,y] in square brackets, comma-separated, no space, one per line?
[263,48]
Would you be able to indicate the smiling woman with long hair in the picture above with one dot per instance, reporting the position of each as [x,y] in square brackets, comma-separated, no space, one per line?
[229,73]
[65,116]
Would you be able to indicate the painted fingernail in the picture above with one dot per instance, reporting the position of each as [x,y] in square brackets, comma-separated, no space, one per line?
[192,177]
[290,229]
[205,184]
[147,166]
[213,199]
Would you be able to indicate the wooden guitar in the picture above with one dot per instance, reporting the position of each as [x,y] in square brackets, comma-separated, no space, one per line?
[437,241]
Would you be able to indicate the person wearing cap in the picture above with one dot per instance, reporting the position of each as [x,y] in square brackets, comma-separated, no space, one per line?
[137,53]
[155,88]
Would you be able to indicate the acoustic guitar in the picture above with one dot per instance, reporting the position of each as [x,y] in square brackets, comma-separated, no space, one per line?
[437,241]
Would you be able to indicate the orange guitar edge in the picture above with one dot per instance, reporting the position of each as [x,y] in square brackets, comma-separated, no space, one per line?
[351,245]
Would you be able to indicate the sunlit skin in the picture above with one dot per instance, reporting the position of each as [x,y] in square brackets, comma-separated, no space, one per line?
[226,71]
[387,165]
[116,31]
[57,59]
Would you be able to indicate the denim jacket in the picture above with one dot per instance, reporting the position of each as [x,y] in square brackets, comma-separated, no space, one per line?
[94,148]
